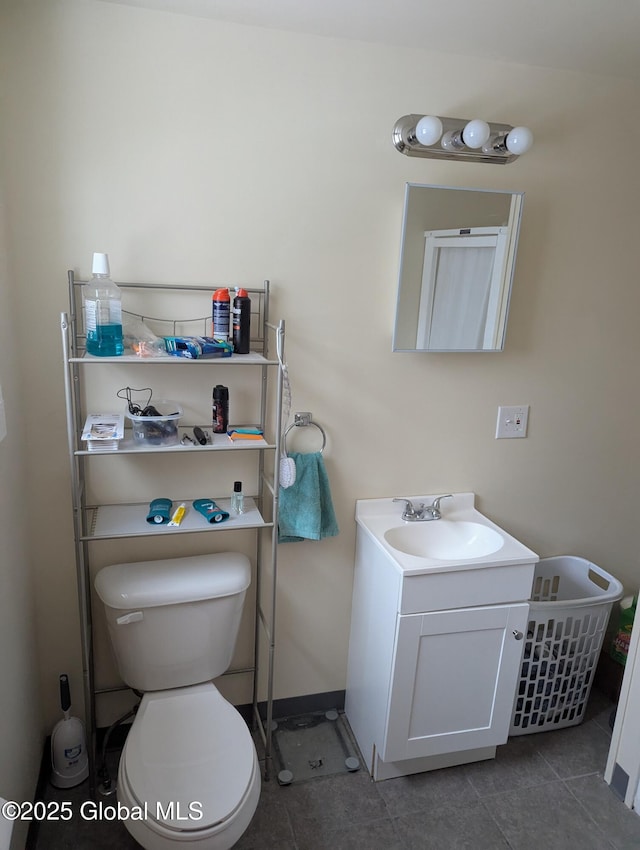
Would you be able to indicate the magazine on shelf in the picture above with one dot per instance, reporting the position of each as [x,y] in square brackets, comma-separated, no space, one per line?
[102,432]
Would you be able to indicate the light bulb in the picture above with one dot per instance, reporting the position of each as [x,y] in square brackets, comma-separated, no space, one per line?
[428,130]
[519,140]
[451,141]
[476,133]
[491,145]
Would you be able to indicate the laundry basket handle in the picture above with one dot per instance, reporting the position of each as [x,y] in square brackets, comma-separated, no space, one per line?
[612,587]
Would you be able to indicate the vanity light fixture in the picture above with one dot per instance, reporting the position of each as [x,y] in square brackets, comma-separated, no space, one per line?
[461,139]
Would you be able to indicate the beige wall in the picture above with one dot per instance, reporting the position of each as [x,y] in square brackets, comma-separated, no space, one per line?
[21,730]
[205,152]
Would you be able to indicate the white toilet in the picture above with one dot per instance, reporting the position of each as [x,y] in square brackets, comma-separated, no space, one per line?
[189,772]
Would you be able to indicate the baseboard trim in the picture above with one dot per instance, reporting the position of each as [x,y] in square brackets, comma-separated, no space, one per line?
[619,782]
[292,706]
[43,779]
[287,707]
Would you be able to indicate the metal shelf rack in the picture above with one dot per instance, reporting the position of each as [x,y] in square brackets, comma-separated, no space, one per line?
[127,520]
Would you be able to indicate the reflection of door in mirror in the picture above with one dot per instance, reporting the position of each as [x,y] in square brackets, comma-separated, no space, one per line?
[462,282]
[454,287]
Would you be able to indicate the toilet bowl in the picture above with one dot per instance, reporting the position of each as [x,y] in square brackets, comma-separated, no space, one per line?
[189,767]
[188,772]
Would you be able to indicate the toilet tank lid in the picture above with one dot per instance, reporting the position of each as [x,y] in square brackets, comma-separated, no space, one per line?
[149,584]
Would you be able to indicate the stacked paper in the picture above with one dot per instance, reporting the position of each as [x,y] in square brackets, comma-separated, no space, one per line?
[102,432]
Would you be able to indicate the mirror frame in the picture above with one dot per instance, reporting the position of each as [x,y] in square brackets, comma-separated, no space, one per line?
[515,218]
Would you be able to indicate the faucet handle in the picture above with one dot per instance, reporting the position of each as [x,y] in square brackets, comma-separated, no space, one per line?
[409,510]
[437,500]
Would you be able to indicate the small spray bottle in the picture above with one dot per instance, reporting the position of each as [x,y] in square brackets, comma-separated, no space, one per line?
[237,498]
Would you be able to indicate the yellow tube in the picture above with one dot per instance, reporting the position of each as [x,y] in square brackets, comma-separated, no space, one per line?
[178,515]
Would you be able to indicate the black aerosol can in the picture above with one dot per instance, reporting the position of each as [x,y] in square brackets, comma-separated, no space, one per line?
[220,409]
[241,318]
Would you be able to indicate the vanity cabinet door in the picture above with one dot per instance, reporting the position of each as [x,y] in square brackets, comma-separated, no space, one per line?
[453,680]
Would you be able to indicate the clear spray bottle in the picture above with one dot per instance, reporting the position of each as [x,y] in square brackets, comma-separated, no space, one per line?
[237,498]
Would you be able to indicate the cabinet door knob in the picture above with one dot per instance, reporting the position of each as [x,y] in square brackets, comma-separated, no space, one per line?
[517,635]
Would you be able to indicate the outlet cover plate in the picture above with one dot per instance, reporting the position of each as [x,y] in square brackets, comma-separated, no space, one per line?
[512,421]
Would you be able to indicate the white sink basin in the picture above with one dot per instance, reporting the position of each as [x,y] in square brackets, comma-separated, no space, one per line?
[445,540]
[462,538]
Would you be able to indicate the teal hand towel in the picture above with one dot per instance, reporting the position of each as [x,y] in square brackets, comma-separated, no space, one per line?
[306,509]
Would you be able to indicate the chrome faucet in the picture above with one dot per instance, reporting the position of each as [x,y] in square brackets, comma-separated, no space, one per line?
[410,513]
[432,511]
[422,513]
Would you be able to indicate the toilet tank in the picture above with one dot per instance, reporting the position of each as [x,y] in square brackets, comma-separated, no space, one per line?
[174,622]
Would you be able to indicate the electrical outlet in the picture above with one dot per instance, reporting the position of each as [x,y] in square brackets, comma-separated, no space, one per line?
[512,421]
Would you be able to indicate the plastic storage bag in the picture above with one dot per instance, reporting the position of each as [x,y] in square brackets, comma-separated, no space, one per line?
[620,644]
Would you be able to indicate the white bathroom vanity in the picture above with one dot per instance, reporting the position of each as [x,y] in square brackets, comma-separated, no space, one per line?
[439,612]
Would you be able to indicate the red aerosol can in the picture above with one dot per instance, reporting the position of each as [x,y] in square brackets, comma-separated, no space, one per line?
[221,314]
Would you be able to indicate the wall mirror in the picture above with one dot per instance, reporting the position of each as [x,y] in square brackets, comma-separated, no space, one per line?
[457,260]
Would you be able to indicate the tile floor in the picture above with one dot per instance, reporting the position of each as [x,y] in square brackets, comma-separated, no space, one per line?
[542,792]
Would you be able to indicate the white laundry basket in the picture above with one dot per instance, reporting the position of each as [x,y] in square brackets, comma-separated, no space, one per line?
[569,610]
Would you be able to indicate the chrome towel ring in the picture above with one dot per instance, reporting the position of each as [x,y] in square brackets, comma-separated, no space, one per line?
[301,420]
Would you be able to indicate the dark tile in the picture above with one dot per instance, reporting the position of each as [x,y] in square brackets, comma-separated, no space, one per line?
[621,825]
[91,827]
[545,816]
[605,719]
[513,801]
[600,710]
[343,811]
[375,835]
[270,827]
[429,791]
[467,827]
[575,751]
[333,802]
[598,706]
[517,765]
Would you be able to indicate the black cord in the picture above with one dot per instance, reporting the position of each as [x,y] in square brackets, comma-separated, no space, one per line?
[103,770]
[134,408]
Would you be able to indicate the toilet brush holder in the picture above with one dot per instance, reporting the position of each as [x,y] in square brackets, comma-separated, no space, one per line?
[69,762]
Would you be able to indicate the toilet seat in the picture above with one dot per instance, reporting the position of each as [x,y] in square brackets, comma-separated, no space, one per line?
[189,760]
